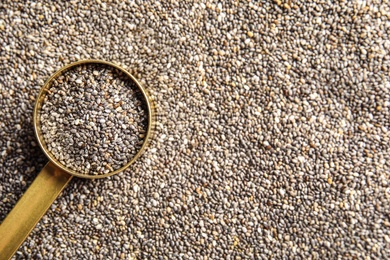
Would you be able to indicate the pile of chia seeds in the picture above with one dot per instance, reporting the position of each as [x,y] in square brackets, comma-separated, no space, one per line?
[272,139]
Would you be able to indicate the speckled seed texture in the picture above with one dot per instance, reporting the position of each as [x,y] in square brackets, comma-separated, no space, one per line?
[272,138]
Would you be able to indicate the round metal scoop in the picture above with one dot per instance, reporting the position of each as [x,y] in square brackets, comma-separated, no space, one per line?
[55,176]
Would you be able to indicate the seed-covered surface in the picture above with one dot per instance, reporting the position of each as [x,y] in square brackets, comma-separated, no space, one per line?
[93,119]
[272,138]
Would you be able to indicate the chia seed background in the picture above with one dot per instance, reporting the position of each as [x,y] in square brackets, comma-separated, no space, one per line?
[272,139]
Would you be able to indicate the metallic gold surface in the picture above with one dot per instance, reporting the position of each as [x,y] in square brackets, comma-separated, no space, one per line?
[30,208]
[54,176]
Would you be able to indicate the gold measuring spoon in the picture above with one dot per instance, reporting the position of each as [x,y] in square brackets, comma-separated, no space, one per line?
[55,176]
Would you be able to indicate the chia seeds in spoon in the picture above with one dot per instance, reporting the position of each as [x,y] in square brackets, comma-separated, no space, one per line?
[93,119]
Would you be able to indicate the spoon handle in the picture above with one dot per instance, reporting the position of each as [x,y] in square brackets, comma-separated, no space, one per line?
[30,208]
